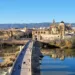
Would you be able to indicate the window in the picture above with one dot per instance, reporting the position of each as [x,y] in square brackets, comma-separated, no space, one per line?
[44,32]
[41,32]
[36,32]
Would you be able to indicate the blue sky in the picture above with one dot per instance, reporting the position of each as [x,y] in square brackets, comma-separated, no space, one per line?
[35,11]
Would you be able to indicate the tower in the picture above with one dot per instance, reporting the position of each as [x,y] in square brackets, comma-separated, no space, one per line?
[53,21]
[62,29]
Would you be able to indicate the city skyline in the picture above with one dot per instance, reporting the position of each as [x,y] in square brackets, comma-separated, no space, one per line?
[31,11]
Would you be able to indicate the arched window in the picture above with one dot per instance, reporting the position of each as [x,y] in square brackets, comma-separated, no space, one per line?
[36,32]
[40,37]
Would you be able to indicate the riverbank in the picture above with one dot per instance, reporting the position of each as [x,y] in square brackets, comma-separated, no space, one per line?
[64,43]
[8,55]
[59,53]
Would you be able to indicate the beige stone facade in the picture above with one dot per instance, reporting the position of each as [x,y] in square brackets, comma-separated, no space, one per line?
[55,32]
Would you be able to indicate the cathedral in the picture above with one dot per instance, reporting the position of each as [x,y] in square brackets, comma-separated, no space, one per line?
[56,31]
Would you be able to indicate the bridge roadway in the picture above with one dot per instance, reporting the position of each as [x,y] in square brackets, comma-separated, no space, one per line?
[22,65]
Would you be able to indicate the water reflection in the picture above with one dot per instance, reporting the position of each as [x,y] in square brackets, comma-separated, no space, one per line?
[1,60]
[58,62]
[58,53]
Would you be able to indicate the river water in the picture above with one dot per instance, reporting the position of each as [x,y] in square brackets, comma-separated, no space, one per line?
[2,71]
[58,62]
[1,60]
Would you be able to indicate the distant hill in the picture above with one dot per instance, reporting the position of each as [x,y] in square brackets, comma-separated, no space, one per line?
[30,25]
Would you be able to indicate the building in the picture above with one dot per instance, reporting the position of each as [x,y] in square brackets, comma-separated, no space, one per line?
[56,31]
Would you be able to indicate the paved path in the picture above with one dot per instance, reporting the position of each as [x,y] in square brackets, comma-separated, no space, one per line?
[23,62]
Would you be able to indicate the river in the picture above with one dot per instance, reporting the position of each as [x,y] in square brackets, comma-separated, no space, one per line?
[1,60]
[2,71]
[58,62]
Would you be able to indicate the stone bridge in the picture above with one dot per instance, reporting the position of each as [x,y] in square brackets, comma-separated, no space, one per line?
[27,62]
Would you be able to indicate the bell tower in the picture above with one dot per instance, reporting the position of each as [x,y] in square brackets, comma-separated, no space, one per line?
[53,21]
[62,29]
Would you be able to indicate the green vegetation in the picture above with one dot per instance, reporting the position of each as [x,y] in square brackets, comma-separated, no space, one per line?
[66,43]
[9,54]
[59,52]
[1,33]
[8,50]
[73,42]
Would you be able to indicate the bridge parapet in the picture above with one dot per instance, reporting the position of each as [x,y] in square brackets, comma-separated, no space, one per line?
[11,69]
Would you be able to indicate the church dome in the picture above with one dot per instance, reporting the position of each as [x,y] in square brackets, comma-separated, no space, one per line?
[62,21]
